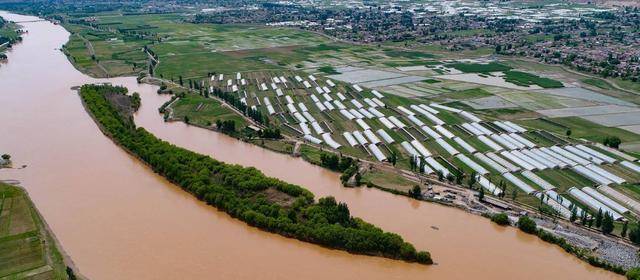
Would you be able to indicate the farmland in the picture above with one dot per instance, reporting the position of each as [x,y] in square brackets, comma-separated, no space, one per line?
[444,117]
[26,247]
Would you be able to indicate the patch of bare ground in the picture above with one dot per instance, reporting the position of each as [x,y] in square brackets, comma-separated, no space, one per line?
[122,102]
[278,197]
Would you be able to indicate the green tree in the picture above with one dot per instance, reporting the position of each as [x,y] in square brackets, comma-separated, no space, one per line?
[599,218]
[473,177]
[607,223]
[481,194]
[623,233]
[574,215]
[527,225]
[415,192]
[633,273]
[6,157]
[501,219]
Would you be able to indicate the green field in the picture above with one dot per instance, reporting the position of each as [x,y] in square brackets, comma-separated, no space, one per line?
[526,79]
[27,251]
[581,128]
[480,68]
[599,83]
[204,111]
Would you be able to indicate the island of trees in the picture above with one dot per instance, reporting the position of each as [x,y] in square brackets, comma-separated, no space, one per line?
[246,193]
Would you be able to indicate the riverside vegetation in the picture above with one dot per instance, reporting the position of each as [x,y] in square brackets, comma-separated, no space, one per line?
[246,193]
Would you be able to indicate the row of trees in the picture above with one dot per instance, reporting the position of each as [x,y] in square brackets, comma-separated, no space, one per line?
[239,191]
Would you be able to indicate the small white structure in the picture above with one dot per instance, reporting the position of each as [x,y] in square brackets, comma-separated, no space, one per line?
[299,117]
[339,105]
[446,108]
[377,94]
[377,101]
[595,153]
[305,129]
[512,167]
[475,166]
[341,96]
[447,147]
[405,111]
[329,141]
[308,117]
[539,181]
[350,139]
[366,113]
[377,153]
[320,106]
[292,109]
[356,103]
[306,84]
[375,112]
[415,120]
[387,123]
[592,175]
[360,138]
[356,114]
[420,148]
[363,124]
[432,133]
[593,203]
[347,115]
[357,88]
[317,128]
[312,139]
[330,83]
[396,122]
[328,105]
[443,131]
[519,183]
[385,136]
[469,116]
[288,99]
[464,145]
[493,145]
[372,137]
[517,160]
[496,166]
[605,200]
[410,150]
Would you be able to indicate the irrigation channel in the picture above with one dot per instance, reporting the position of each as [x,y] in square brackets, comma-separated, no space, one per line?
[118,220]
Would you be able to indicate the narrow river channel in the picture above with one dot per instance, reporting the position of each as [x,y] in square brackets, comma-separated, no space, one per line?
[119,220]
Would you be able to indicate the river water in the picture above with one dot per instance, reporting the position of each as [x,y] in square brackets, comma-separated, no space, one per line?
[119,220]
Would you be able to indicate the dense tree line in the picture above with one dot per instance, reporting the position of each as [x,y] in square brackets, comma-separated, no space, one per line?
[239,191]
[234,101]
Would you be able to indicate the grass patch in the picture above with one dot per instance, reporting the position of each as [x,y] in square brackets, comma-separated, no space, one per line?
[407,54]
[526,79]
[599,83]
[204,111]
[328,69]
[467,94]
[581,128]
[388,180]
[480,67]
[25,246]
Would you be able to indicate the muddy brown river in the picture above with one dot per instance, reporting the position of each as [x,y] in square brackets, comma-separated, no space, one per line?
[119,220]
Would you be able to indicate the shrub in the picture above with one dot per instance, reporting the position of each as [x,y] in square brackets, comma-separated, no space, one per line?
[501,219]
[633,274]
[527,225]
